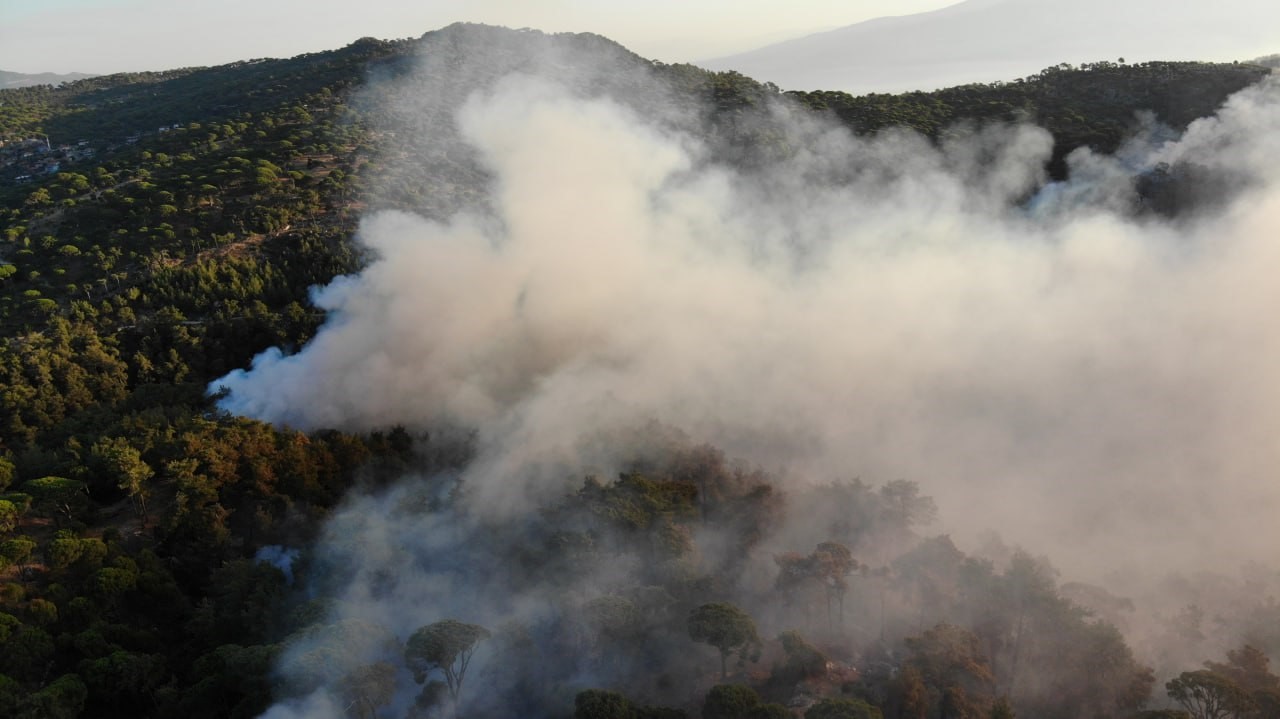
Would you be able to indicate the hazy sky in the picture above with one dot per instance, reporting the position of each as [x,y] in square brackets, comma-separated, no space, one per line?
[105,36]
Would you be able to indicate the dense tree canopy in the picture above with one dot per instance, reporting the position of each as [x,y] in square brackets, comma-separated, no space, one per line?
[727,628]
[446,646]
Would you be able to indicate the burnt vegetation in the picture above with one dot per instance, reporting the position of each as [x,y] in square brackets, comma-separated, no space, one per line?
[133,513]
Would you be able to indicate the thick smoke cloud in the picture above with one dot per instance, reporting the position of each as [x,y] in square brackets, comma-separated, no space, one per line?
[1084,379]
[1052,361]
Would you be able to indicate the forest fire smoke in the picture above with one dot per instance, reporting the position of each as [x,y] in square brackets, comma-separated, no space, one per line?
[1076,369]
[1089,381]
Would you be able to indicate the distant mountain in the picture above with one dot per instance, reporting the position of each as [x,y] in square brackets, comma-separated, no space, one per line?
[986,40]
[10,80]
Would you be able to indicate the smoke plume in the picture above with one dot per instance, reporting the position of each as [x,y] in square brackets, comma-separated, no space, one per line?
[1090,380]
[878,307]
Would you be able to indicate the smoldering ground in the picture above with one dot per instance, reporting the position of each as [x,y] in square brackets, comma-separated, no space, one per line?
[1091,381]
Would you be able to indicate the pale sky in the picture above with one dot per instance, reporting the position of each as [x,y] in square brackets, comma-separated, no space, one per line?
[106,36]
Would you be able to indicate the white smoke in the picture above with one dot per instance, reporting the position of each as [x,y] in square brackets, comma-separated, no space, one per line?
[281,558]
[319,705]
[1095,385]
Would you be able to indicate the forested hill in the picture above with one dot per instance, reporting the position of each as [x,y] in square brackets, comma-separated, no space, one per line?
[160,229]
[1092,105]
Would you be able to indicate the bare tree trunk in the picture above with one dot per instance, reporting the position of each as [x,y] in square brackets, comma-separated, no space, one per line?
[1017,646]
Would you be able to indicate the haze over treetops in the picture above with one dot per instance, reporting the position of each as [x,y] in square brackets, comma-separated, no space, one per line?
[500,373]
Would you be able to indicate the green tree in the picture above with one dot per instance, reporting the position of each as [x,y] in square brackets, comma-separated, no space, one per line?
[233,682]
[114,582]
[904,506]
[58,497]
[447,646]
[329,653]
[947,655]
[8,516]
[123,679]
[727,628]
[825,570]
[1002,709]
[729,701]
[1250,668]
[952,665]
[1207,694]
[910,694]
[803,659]
[956,704]
[243,599]
[616,625]
[602,704]
[834,563]
[11,696]
[42,612]
[369,687]
[66,549]
[17,550]
[39,198]
[63,698]
[27,652]
[8,625]
[123,464]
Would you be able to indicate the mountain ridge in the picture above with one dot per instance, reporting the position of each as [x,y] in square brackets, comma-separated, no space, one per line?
[1001,39]
[9,79]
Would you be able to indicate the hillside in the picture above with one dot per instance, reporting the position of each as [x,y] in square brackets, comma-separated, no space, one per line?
[1092,105]
[160,556]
